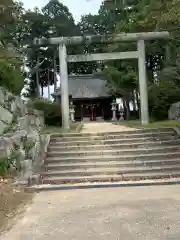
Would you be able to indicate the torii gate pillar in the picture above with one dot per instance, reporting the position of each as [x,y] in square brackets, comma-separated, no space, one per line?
[64,86]
[143,82]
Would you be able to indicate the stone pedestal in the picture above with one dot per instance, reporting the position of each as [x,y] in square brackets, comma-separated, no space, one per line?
[72,112]
[114,108]
[121,113]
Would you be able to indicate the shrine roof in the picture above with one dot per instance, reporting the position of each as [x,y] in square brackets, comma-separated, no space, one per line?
[85,86]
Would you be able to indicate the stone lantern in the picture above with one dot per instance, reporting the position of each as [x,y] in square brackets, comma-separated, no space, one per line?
[72,111]
[121,113]
[114,108]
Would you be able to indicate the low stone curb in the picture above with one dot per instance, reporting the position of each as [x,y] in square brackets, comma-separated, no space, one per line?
[141,183]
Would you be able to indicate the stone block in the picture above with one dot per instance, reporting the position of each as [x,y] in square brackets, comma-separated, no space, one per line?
[174,111]
[36,151]
[23,122]
[33,134]
[20,104]
[29,123]
[26,172]
[39,152]
[3,126]
[13,107]
[1,95]
[5,115]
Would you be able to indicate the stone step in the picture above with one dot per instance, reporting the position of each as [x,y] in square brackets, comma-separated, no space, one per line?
[111,171]
[110,164]
[106,184]
[119,145]
[160,149]
[130,131]
[114,156]
[107,158]
[113,136]
[111,178]
[112,141]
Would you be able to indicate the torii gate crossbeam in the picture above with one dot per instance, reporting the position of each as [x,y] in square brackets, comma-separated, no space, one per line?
[139,54]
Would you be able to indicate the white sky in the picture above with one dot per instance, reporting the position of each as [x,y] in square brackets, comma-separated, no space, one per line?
[76,7]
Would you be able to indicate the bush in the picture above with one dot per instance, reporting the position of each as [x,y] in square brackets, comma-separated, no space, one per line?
[161,96]
[52,111]
[11,77]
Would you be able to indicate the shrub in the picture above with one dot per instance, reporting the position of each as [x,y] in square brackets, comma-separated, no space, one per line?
[11,77]
[52,111]
[4,166]
[161,96]
[7,162]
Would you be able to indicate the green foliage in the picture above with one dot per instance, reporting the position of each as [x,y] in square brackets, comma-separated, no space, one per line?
[52,111]
[4,165]
[163,79]
[161,96]
[53,20]
[10,75]
[7,162]
[11,33]
[28,144]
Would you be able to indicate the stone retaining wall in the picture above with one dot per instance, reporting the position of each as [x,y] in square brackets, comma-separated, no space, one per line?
[20,137]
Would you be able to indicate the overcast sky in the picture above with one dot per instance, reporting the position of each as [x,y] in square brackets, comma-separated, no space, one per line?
[76,7]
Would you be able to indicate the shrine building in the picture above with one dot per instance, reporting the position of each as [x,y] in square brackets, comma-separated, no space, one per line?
[90,96]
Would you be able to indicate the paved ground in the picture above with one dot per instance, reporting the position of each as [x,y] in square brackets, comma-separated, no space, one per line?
[104,127]
[142,213]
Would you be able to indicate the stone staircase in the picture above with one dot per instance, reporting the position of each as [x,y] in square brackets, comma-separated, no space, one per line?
[114,156]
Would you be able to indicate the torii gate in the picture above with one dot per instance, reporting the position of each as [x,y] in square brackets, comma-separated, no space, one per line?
[139,54]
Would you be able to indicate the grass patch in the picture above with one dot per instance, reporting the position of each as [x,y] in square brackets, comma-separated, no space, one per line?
[74,127]
[152,124]
[12,201]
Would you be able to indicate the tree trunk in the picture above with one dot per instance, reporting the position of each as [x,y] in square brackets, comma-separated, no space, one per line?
[55,80]
[127,109]
[133,100]
[42,91]
[49,96]
[168,55]
[37,78]
[138,103]
[37,82]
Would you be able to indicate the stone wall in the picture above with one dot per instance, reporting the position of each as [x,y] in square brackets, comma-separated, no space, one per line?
[20,138]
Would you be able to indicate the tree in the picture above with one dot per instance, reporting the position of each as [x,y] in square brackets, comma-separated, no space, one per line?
[11,75]
[52,20]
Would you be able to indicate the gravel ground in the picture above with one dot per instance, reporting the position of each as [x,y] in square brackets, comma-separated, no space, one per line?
[142,213]
[12,201]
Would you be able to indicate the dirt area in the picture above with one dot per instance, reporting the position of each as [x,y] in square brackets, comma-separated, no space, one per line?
[99,127]
[132,213]
[12,202]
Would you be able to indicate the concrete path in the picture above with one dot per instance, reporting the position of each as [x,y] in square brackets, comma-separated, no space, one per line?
[142,213]
[97,127]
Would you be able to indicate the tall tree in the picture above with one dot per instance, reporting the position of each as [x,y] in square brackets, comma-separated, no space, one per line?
[53,20]
[11,75]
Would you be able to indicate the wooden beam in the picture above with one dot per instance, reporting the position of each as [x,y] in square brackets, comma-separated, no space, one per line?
[102,56]
[108,38]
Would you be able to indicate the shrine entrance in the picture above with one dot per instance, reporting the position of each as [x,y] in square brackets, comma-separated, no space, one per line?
[88,112]
[140,55]
[93,109]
